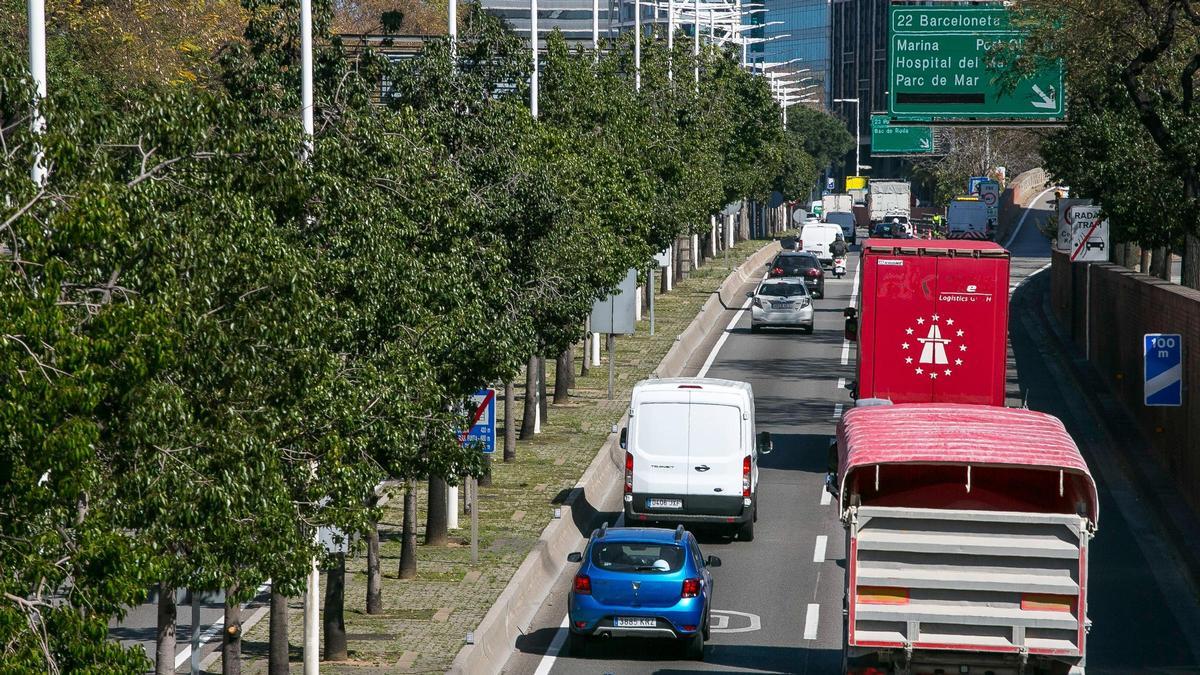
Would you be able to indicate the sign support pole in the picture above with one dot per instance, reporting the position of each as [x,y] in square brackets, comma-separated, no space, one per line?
[195,658]
[650,297]
[473,489]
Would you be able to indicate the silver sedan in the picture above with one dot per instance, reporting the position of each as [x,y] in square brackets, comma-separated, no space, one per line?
[783,302]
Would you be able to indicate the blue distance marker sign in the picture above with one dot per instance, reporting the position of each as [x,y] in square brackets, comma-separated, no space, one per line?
[483,421]
[1163,356]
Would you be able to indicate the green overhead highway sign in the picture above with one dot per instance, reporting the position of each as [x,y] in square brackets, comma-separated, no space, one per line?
[899,140]
[938,68]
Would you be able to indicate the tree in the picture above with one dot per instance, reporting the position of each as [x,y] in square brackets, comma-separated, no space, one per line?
[824,136]
[1148,51]
[977,152]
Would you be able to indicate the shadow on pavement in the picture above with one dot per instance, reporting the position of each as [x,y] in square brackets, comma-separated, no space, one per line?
[798,452]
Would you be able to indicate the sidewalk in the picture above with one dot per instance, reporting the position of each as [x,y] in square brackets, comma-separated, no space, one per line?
[426,619]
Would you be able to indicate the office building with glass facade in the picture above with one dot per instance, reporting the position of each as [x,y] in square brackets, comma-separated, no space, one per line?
[802,33]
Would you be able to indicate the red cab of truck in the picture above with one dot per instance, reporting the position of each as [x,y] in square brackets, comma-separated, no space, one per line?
[932,321]
[968,531]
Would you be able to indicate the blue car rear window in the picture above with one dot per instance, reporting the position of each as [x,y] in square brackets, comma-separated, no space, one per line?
[640,557]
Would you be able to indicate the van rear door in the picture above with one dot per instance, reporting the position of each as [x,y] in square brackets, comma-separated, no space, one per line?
[659,448]
[715,450]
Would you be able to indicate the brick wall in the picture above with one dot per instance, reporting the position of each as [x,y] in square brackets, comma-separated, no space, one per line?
[1124,306]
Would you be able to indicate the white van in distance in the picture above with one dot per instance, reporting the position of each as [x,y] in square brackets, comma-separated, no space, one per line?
[691,455]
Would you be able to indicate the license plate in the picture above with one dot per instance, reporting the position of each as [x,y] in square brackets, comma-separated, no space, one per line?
[655,503]
[634,622]
[782,305]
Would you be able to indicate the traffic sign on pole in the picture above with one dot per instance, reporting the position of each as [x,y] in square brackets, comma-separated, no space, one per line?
[941,68]
[483,421]
[1163,358]
[899,140]
[1089,234]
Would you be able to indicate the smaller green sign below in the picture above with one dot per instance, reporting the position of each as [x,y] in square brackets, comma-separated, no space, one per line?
[899,140]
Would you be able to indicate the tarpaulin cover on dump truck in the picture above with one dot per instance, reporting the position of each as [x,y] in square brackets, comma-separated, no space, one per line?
[968,530]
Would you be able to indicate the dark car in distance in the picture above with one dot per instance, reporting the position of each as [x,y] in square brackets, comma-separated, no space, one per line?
[801,265]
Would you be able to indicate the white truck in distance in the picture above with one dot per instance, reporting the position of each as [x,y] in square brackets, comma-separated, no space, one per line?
[888,198]
[967,218]
[842,203]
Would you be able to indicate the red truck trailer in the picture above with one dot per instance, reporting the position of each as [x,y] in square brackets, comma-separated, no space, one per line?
[932,321]
[967,532]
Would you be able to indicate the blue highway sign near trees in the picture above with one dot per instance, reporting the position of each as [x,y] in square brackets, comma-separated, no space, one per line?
[1163,355]
[483,421]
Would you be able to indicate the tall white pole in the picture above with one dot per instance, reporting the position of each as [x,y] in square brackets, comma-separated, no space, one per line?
[857,138]
[533,47]
[637,45]
[670,39]
[696,40]
[37,71]
[596,27]
[312,599]
[452,27]
[742,33]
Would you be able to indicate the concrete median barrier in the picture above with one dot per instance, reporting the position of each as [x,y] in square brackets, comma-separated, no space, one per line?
[598,490]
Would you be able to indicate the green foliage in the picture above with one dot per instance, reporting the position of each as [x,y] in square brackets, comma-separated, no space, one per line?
[214,341]
[824,136]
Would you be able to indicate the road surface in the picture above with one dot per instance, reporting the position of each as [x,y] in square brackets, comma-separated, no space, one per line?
[781,595]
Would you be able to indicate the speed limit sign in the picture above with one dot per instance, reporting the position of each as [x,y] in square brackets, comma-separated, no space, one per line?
[989,198]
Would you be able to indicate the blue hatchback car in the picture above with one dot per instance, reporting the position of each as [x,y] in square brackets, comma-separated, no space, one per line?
[641,582]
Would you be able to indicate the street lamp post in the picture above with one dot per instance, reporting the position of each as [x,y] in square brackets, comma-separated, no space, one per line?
[37,71]
[533,47]
[857,133]
[637,45]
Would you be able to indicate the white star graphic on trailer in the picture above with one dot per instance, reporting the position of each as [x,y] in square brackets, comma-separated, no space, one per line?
[933,376]
[908,331]
[903,345]
[958,362]
[947,371]
[920,371]
[949,322]
[908,360]
[935,317]
[962,348]
[959,333]
[920,321]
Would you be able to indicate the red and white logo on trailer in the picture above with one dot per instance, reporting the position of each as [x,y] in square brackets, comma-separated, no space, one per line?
[934,346]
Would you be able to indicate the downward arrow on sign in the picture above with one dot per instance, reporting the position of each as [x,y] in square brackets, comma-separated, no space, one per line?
[1047,102]
[924,142]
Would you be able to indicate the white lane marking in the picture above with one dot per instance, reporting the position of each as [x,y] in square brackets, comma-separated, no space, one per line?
[1013,289]
[712,355]
[837,411]
[853,300]
[841,383]
[819,548]
[1013,236]
[556,645]
[217,625]
[810,621]
[720,621]
[826,498]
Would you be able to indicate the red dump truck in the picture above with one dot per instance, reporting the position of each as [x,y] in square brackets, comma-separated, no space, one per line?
[967,531]
[932,321]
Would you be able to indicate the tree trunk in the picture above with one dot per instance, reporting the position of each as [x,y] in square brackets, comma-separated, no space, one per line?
[529,413]
[563,371]
[510,421]
[585,363]
[231,646]
[486,479]
[436,532]
[1144,264]
[1190,274]
[543,400]
[408,535]
[278,648]
[164,639]
[1160,262]
[335,602]
[374,572]
[662,283]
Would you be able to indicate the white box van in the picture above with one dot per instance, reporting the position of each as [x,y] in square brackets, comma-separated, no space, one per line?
[691,455]
[817,237]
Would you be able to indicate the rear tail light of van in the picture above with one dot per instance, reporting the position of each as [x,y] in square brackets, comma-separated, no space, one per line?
[691,588]
[583,584]
[746,476]
[628,472]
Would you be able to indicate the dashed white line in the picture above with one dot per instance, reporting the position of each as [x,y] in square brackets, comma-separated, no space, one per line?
[841,383]
[810,621]
[826,498]
[556,645]
[837,411]
[712,355]
[819,548]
